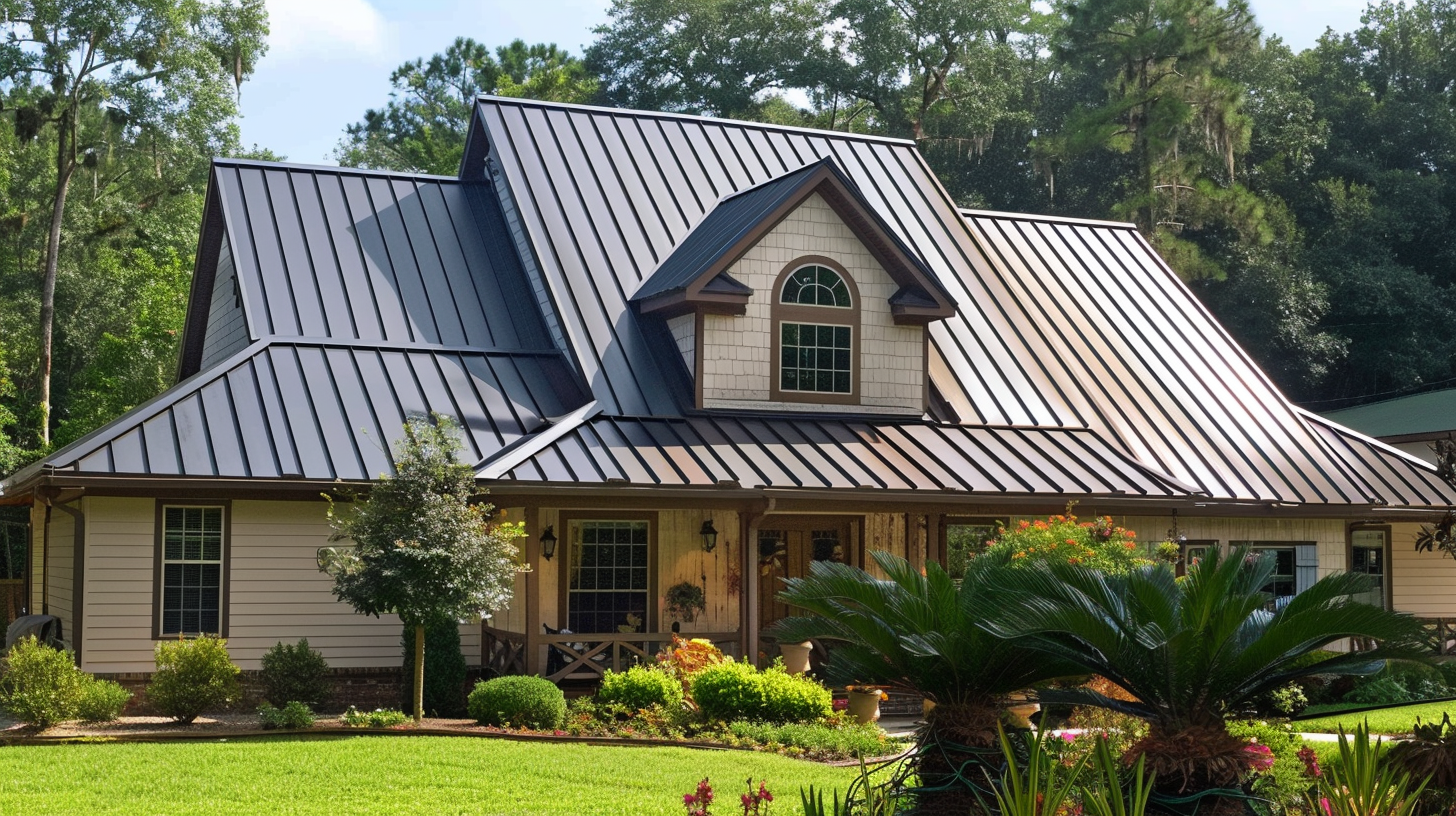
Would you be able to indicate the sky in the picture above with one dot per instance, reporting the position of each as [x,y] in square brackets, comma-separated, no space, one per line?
[329,60]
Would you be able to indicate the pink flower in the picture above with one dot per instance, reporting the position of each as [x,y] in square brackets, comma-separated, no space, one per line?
[1068,736]
[1259,757]
[1310,759]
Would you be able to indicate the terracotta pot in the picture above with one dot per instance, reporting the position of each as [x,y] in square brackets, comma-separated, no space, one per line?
[796,656]
[926,706]
[864,706]
[1024,711]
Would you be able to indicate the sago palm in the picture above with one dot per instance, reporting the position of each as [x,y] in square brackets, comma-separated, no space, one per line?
[1190,651]
[916,632]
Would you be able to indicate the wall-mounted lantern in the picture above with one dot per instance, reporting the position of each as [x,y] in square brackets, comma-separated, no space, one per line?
[710,535]
[548,543]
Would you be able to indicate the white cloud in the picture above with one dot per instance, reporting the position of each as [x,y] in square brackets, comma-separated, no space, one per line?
[318,30]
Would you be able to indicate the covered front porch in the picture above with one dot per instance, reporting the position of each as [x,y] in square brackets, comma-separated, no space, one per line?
[598,592]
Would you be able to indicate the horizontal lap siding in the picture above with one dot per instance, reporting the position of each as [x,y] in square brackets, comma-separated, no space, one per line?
[120,540]
[1424,583]
[60,571]
[277,593]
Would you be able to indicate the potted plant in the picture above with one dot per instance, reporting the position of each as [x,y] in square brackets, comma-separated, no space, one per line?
[684,601]
[864,702]
[796,656]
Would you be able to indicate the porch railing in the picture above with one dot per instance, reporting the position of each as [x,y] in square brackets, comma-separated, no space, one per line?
[587,656]
[582,656]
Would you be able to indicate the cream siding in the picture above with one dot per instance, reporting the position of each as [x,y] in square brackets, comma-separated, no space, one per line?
[276,591]
[1423,584]
[60,572]
[737,370]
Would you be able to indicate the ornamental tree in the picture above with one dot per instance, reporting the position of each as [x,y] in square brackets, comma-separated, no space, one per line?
[425,546]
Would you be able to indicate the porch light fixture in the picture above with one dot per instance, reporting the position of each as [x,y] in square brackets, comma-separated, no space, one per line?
[548,543]
[710,535]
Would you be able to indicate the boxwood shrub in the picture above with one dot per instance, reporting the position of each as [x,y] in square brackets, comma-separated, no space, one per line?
[729,691]
[790,698]
[192,676]
[101,700]
[524,702]
[40,685]
[640,687]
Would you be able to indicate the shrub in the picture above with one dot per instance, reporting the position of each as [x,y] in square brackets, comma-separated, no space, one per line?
[524,702]
[791,698]
[640,687]
[1285,782]
[192,676]
[101,700]
[1099,543]
[41,685]
[294,673]
[378,718]
[729,691]
[587,717]
[293,716]
[818,740]
[444,670]
[1379,691]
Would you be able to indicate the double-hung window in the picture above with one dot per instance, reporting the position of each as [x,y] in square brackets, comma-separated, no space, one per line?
[607,586]
[191,593]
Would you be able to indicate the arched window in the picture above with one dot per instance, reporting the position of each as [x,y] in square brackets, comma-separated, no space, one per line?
[816,285]
[816,347]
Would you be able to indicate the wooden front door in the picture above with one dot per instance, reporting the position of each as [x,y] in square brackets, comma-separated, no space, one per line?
[786,548]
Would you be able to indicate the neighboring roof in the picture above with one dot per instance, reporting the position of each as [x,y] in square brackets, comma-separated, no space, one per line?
[1418,415]
[829,453]
[316,411]
[1396,476]
[740,220]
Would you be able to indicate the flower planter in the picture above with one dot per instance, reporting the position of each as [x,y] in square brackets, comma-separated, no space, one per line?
[796,656]
[864,706]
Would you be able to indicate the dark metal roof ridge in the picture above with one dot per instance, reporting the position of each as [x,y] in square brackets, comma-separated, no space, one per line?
[406,345]
[330,168]
[641,114]
[1049,219]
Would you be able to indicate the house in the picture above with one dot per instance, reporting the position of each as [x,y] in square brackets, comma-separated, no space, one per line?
[1412,424]
[682,350]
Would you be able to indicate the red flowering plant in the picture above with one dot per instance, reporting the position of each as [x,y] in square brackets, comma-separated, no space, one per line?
[1063,538]
[755,802]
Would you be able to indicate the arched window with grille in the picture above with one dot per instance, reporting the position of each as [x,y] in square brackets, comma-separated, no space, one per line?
[816,342]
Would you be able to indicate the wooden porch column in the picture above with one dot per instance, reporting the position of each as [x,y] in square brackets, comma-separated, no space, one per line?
[748,589]
[533,588]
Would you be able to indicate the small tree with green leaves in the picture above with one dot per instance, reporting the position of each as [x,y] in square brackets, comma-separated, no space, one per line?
[426,548]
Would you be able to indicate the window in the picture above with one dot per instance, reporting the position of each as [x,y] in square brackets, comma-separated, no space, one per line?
[1368,557]
[816,285]
[1193,551]
[1281,586]
[965,539]
[608,587]
[814,358]
[191,571]
[816,349]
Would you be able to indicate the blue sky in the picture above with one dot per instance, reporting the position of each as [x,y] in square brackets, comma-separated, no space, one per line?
[329,60]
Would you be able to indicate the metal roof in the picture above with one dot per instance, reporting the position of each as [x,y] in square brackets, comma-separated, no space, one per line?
[324,411]
[831,453]
[1076,364]
[350,254]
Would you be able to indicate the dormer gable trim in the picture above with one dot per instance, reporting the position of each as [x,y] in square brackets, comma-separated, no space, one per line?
[204,272]
[694,277]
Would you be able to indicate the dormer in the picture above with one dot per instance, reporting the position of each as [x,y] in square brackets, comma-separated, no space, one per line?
[795,295]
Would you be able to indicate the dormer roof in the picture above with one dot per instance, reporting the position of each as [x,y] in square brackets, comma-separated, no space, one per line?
[695,276]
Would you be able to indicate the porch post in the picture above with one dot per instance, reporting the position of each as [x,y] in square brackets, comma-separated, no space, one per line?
[533,589]
[748,591]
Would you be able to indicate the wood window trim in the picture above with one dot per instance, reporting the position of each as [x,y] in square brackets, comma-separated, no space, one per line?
[1181,568]
[563,567]
[1388,579]
[781,313]
[158,551]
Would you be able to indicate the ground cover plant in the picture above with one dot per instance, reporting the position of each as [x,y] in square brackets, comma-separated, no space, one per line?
[364,776]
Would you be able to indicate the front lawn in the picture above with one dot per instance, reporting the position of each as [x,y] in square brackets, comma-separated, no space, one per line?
[386,775]
[1398,720]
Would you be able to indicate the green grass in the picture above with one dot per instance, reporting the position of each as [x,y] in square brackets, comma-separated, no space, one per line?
[1385,721]
[386,775]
